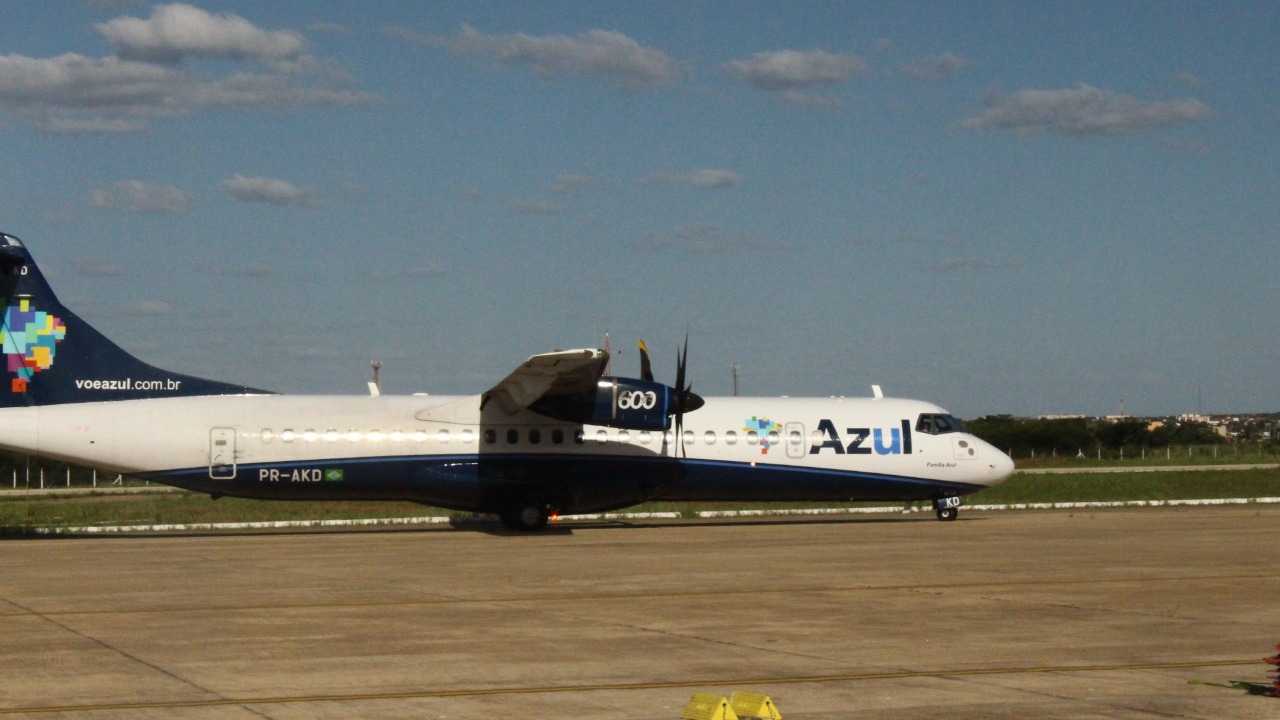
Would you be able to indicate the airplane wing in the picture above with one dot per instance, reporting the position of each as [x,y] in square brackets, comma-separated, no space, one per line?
[564,372]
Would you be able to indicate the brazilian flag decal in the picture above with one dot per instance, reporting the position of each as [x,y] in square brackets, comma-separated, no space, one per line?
[334,475]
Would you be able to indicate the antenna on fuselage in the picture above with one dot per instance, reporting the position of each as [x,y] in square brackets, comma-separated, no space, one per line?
[375,389]
[876,392]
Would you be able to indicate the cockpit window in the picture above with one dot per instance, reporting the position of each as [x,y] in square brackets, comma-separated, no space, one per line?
[937,424]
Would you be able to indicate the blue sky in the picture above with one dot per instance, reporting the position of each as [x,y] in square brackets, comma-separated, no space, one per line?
[1001,207]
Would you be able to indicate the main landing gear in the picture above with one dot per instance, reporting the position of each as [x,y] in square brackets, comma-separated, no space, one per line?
[526,516]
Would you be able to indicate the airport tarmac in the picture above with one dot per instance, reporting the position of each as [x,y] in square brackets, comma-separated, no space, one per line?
[1058,614]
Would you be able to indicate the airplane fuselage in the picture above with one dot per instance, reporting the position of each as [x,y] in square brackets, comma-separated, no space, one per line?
[446,451]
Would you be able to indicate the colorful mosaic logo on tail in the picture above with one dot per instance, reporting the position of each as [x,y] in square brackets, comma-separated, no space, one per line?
[30,339]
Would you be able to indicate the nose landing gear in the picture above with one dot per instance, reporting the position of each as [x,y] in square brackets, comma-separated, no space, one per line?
[947,508]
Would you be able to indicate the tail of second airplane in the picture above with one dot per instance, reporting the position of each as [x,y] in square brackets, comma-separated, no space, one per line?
[51,356]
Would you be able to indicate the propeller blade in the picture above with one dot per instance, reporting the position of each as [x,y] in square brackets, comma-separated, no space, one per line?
[646,372]
[682,393]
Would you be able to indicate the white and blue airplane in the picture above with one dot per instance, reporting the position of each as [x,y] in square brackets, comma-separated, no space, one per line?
[555,437]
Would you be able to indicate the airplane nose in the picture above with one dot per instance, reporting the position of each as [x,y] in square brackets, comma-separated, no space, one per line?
[1001,466]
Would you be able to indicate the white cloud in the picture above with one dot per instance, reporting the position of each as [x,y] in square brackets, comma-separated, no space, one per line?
[792,70]
[565,183]
[936,68]
[267,191]
[90,126]
[535,207]
[703,178]
[704,240]
[335,28]
[807,99]
[110,5]
[177,31]
[71,93]
[146,308]
[73,82]
[1190,146]
[1084,111]
[596,53]
[139,197]
[101,268]
[247,271]
[1189,80]
[968,263]
[409,273]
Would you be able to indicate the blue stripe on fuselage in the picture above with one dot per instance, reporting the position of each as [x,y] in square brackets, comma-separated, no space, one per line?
[578,483]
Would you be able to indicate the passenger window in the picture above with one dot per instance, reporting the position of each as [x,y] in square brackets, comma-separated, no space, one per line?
[513,436]
[602,437]
[557,436]
[331,435]
[266,435]
[468,436]
[689,437]
[731,438]
[624,437]
[535,436]
[309,435]
[579,436]
[645,437]
[709,437]
[353,435]
[773,438]
[794,438]
[753,437]
[287,435]
[443,436]
[490,436]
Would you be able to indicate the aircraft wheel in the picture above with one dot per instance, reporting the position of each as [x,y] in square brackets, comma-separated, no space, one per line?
[528,517]
[948,514]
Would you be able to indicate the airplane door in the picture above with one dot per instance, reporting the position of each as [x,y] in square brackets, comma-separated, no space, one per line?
[222,453]
[794,439]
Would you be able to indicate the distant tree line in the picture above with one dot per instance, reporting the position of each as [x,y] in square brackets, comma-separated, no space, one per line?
[1022,436]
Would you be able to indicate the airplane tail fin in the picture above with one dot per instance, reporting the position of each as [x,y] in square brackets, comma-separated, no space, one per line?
[51,356]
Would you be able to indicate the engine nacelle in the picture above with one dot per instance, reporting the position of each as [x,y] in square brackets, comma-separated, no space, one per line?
[627,403]
[632,404]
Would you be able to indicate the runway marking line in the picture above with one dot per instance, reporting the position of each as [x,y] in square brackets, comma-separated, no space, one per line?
[408,602]
[660,685]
